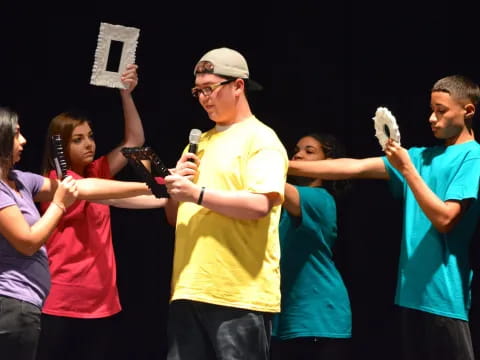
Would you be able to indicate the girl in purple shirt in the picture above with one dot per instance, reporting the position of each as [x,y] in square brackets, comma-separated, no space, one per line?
[24,273]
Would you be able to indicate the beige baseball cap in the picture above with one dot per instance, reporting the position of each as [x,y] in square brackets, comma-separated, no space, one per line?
[226,62]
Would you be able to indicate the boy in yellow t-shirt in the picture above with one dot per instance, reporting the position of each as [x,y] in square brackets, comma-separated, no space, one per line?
[226,199]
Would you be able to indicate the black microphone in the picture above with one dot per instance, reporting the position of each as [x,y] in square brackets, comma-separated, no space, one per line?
[194,139]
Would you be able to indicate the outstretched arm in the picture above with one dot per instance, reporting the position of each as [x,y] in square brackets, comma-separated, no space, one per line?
[133,135]
[338,169]
[136,202]
[443,214]
[95,189]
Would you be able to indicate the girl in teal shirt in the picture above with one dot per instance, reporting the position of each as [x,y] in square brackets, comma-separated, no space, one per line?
[315,321]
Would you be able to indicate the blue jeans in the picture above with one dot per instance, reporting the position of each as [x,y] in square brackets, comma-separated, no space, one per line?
[19,329]
[203,331]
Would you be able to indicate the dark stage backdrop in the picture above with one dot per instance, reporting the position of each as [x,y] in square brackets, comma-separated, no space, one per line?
[325,66]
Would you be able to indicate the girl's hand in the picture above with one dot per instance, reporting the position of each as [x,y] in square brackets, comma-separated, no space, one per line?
[129,78]
[66,192]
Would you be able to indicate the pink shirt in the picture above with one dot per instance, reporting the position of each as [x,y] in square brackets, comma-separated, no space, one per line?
[81,258]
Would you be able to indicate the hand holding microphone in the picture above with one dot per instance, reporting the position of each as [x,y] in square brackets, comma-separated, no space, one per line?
[179,185]
[187,165]
[194,139]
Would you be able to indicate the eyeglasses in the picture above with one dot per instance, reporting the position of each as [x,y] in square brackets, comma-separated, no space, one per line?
[208,90]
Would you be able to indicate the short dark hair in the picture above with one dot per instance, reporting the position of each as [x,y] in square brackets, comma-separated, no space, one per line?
[459,87]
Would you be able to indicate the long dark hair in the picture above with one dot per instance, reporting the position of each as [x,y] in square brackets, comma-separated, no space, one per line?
[334,149]
[63,125]
[8,128]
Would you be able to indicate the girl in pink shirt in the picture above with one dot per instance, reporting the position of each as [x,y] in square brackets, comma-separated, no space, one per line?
[77,319]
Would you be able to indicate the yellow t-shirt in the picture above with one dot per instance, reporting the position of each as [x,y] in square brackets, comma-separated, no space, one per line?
[226,261]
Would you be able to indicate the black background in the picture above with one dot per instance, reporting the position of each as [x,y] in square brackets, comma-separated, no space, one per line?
[325,66]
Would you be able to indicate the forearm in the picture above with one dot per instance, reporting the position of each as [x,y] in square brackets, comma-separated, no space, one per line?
[171,210]
[338,169]
[32,238]
[134,134]
[443,215]
[238,204]
[136,202]
[101,189]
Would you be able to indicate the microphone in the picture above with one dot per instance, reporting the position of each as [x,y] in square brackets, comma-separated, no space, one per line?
[194,139]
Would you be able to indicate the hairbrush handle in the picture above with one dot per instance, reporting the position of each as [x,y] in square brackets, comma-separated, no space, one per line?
[58,157]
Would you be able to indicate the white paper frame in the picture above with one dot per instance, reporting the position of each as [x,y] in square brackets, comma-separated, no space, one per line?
[384,119]
[108,32]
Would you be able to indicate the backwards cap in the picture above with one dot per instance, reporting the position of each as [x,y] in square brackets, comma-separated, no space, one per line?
[226,62]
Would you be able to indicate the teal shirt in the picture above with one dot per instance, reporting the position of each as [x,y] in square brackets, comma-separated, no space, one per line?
[315,301]
[434,269]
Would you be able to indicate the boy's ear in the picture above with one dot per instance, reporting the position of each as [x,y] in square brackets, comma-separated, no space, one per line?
[239,84]
[469,111]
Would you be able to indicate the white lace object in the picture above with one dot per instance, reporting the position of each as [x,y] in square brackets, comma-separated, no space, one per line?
[108,32]
[385,127]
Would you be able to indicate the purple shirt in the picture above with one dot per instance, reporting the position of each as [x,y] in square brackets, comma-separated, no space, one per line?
[23,277]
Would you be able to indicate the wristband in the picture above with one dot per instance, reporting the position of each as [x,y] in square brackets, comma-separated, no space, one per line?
[200,197]
[60,206]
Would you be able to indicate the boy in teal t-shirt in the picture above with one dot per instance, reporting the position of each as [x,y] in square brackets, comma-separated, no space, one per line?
[440,188]
[434,266]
